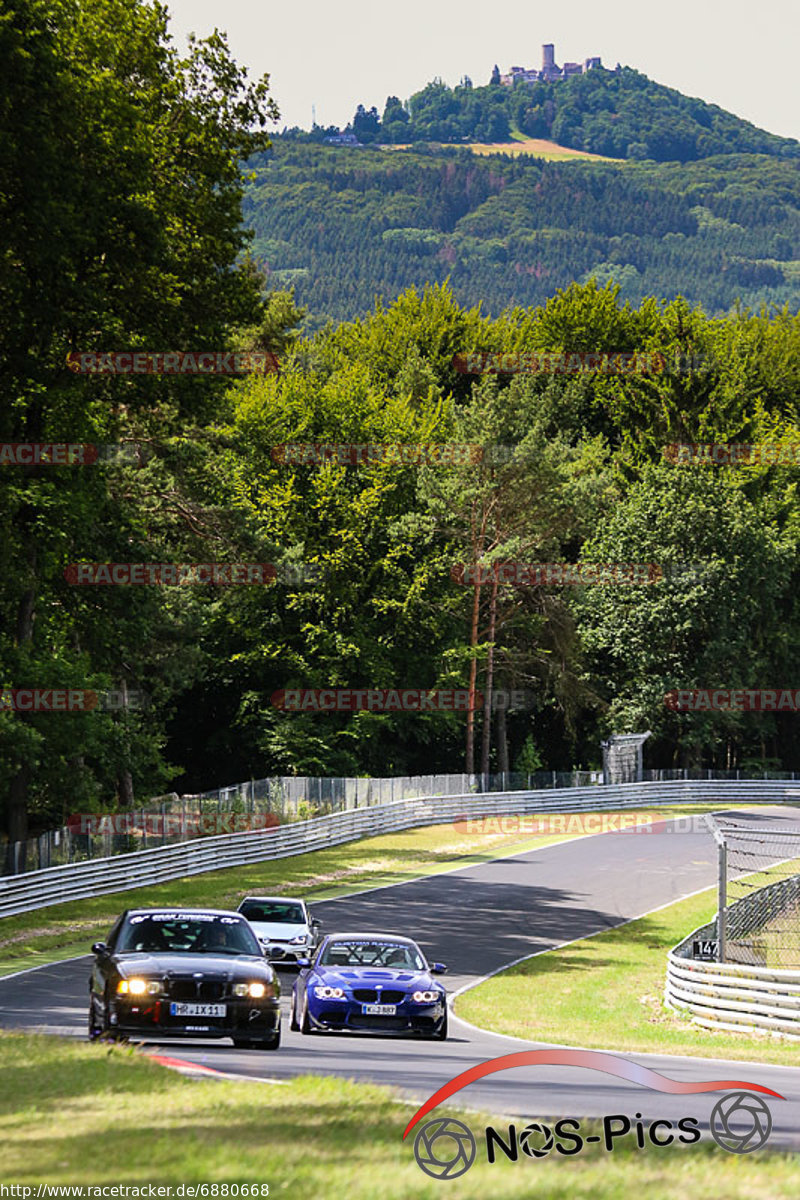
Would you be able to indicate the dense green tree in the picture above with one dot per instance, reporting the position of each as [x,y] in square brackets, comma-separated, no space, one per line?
[120,200]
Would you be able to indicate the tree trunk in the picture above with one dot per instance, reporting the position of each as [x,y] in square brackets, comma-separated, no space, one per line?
[473,670]
[502,741]
[17,806]
[487,699]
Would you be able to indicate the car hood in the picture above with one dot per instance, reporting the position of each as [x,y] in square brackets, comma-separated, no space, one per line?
[279,931]
[374,977]
[239,967]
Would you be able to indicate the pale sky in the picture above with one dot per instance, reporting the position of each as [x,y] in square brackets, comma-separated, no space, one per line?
[740,55]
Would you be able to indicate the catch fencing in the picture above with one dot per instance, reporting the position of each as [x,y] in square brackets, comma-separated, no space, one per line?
[144,868]
[755,937]
[732,996]
[171,819]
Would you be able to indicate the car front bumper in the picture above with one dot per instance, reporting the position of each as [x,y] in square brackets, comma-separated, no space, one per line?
[278,952]
[152,1018]
[343,1015]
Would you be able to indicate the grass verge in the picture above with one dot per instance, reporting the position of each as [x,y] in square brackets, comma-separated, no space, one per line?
[606,991]
[67,930]
[75,1114]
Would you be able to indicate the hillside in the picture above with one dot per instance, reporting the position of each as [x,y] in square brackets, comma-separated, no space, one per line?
[344,225]
[617,114]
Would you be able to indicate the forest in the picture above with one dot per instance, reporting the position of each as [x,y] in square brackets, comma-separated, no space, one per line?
[344,226]
[361,591]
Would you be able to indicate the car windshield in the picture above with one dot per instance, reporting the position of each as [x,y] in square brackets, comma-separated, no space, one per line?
[372,954]
[199,933]
[273,911]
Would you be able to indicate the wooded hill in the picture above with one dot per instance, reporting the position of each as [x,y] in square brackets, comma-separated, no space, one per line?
[344,226]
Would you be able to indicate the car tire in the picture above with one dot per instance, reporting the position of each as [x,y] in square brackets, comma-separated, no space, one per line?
[305,1022]
[441,1033]
[271,1044]
[96,1031]
[294,1024]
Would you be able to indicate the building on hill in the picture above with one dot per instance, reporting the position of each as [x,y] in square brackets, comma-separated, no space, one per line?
[343,139]
[550,70]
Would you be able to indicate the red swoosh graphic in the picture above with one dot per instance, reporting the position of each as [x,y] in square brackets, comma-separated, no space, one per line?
[593,1060]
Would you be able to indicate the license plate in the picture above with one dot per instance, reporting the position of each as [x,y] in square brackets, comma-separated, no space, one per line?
[379,1010]
[197,1010]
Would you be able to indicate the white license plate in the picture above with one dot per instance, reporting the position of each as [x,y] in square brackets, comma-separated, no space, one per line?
[379,1010]
[197,1010]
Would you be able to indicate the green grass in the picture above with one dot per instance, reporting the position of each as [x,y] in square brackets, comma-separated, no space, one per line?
[73,1113]
[67,930]
[607,992]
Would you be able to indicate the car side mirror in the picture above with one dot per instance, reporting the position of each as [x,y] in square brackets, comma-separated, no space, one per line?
[316,923]
[100,949]
[438,969]
[303,962]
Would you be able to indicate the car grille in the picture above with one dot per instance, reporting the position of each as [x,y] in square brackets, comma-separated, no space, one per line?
[360,1021]
[373,996]
[196,989]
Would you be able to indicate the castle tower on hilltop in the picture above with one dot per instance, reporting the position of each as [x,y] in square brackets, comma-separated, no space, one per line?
[550,69]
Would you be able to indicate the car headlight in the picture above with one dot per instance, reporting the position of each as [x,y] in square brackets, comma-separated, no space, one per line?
[138,987]
[256,990]
[300,940]
[425,997]
[329,993]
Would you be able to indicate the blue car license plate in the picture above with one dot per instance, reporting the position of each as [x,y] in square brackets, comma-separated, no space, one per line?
[379,1010]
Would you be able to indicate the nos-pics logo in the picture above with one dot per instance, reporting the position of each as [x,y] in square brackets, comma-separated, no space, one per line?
[446,1148]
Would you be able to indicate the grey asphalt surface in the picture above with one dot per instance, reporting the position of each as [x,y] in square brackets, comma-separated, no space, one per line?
[476,920]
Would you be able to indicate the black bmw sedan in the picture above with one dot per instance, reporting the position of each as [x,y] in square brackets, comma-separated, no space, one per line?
[197,973]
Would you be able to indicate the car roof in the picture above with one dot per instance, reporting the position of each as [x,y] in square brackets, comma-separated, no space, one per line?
[184,912]
[274,899]
[374,936]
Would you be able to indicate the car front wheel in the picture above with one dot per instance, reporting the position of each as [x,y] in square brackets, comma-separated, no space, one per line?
[96,1030]
[441,1033]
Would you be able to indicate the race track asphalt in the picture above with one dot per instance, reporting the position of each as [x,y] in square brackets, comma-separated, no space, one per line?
[478,919]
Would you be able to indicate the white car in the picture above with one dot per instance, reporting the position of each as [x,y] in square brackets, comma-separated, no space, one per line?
[285,928]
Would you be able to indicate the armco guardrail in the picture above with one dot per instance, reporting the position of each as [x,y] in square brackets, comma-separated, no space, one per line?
[733,996]
[97,877]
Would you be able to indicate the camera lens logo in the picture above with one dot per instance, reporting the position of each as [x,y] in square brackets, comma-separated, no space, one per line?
[444,1148]
[528,1136]
[740,1122]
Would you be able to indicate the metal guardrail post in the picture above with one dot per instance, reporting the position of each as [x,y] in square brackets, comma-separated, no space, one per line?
[722,897]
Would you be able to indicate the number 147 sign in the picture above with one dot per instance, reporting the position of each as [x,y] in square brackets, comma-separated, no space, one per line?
[707,951]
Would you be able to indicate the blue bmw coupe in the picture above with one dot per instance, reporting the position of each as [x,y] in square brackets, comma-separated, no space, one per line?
[370,982]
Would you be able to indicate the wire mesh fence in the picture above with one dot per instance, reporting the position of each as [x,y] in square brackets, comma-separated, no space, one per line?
[257,804]
[759,888]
